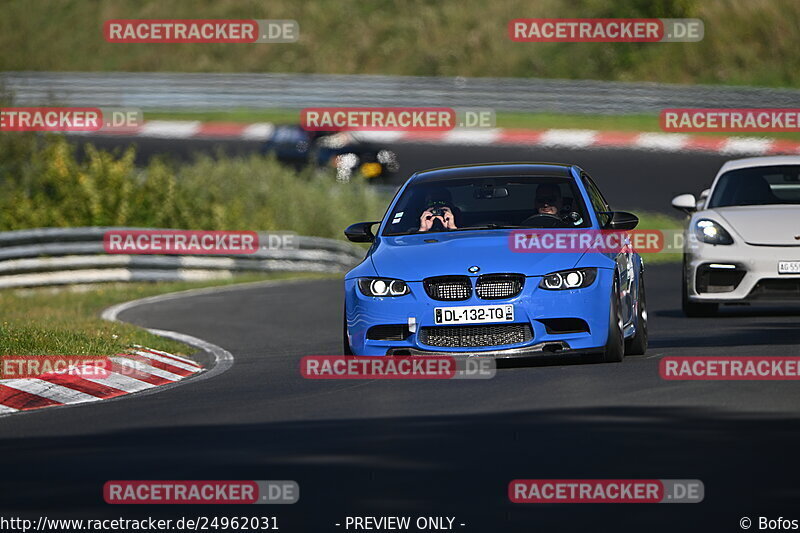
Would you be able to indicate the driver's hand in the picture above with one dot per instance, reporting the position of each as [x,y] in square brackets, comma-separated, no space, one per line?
[426,220]
[448,219]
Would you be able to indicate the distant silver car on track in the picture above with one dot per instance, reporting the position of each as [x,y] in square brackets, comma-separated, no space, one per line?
[743,236]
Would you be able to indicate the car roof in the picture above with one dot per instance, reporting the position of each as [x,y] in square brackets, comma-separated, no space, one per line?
[490,170]
[760,162]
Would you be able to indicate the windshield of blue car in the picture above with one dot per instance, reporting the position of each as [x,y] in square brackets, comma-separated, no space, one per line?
[758,186]
[488,203]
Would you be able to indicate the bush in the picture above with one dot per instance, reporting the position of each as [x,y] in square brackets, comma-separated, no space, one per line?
[44,184]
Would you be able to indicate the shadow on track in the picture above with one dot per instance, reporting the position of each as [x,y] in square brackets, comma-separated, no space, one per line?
[423,465]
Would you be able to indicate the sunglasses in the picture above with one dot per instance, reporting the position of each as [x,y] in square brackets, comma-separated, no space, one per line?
[546,200]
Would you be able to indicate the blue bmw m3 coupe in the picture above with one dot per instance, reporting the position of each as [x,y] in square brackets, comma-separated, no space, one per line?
[442,274]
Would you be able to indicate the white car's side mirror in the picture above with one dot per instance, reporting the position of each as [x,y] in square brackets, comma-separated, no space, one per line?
[702,199]
[685,202]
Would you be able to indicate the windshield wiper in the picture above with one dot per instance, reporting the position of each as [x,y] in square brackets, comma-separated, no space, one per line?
[465,228]
[490,226]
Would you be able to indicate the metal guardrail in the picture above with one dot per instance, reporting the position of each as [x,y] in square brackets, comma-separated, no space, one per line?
[62,256]
[168,91]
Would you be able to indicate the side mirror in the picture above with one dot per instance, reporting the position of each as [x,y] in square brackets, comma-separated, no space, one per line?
[360,232]
[621,220]
[685,202]
[702,199]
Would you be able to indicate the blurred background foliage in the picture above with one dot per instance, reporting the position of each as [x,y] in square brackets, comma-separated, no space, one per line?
[747,42]
[44,184]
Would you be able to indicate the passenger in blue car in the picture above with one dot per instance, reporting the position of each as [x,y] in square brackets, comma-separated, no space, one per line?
[550,202]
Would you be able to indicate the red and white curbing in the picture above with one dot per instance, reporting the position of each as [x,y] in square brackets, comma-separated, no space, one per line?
[550,138]
[147,369]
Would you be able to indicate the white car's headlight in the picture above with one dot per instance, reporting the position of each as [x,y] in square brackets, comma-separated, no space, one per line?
[568,279]
[711,232]
[383,287]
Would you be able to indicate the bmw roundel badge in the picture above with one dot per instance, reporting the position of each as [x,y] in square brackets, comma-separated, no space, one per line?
[474,268]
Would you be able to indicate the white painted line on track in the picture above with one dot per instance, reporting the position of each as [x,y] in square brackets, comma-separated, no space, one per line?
[170,129]
[259,131]
[167,360]
[746,145]
[669,142]
[568,138]
[144,368]
[122,382]
[485,136]
[48,390]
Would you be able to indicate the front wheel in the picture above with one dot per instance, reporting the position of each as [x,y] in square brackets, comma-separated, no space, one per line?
[615,345]
[637,345]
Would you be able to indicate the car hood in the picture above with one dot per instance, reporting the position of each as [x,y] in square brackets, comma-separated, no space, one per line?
[764,224]
[410,258]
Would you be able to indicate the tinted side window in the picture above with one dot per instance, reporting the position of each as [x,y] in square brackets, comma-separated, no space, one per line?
[598,202]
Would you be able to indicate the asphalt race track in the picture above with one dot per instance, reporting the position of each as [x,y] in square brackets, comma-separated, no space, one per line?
[443,448]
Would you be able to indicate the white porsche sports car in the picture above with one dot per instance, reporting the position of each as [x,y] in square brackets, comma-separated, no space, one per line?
[743,238]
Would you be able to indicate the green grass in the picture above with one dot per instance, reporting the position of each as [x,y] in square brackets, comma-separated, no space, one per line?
[66,320]
[751,42]
[661,222]
[534,121]
[504,119]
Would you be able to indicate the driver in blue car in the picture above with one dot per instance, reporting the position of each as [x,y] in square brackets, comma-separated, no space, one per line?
[438,216]
[548,199]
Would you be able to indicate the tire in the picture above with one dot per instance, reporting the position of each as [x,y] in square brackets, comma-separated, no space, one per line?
[346,350]
[694,309]
[637,345]
[615,345]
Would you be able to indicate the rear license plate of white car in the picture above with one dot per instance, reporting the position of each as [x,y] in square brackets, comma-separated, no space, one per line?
[474,314]
[788,267]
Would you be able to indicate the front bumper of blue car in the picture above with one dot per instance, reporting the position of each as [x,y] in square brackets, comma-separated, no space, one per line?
[546,322]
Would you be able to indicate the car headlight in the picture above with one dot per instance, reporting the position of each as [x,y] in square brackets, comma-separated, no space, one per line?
[383,287]
[712,233]
[345,161]
[371,170]
[568,279]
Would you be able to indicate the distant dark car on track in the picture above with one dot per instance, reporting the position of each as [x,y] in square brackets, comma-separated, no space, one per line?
[341,150]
